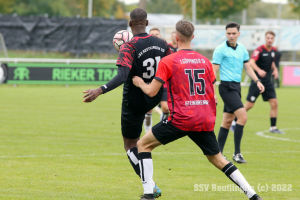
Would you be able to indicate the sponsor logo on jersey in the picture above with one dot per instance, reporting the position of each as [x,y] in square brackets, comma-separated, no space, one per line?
[273,54]
[265,54]
[196,103]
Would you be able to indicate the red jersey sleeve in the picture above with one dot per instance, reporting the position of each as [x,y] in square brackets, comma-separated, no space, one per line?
[126,55]
[211,72]
[256,54]
[164,71]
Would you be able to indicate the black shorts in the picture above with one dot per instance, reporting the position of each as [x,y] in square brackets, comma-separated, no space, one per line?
[131,123]
[230,93]
[165,95]
[165,133]
[254,92]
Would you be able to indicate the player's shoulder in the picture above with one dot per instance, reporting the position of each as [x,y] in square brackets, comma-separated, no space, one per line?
[274,49]
[169,58]
[241,45]
[260,48]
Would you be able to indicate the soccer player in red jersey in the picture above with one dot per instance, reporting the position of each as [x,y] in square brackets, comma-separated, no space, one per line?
[192,110]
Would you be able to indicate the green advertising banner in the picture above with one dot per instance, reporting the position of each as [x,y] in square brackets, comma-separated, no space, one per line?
[48,73]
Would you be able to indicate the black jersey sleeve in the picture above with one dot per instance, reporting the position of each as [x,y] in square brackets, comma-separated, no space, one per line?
[116,81]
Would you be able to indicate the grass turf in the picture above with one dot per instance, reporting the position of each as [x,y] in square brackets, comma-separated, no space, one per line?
[54,146]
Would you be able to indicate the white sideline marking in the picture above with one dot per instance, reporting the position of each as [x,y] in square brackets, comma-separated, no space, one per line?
[124,154]
[261,133]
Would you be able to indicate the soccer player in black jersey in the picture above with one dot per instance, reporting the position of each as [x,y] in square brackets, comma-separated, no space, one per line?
[262,61]
[138,57]
[164,105]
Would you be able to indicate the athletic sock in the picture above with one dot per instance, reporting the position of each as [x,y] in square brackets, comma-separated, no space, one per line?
[232,172]
[164,116]
[134,161]
[273,121]
[238,134]
[222,137]
[146,167]
[148,122]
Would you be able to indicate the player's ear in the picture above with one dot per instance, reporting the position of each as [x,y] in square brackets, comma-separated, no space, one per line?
[146,22]
[193,36]
[130,23]
[176,37]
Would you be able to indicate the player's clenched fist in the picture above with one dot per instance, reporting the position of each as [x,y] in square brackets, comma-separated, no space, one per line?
[137,81]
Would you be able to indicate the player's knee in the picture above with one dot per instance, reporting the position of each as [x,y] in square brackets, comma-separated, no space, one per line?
[242,119]
[165,109]
[274,104]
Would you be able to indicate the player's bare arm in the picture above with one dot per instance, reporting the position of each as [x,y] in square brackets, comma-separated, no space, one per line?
[216,69]
[149,89]
[275,71]
[260,72]
[252,75]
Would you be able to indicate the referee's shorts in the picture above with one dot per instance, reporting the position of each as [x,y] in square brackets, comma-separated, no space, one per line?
[230,93]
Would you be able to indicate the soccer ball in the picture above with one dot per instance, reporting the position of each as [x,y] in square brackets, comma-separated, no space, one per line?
[121,37]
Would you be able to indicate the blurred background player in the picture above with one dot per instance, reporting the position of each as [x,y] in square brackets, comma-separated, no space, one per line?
[262,61]
[193,110]
[230,57]
[173,43]
[164,105]
[135,59]
[277,61]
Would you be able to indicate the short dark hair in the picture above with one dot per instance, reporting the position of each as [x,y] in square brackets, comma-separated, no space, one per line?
[185,28]
[233,25]
[154,29]
[271,33]
[138,16]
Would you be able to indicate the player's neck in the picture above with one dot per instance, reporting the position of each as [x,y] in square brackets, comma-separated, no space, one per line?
[184,46]
[268,47]
[138,29]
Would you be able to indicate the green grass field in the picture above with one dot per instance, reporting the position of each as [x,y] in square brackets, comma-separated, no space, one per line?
[54,146]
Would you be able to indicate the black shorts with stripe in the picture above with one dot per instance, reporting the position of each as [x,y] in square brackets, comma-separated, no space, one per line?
[165,133]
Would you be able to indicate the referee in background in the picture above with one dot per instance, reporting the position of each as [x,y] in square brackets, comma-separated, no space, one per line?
[230,57]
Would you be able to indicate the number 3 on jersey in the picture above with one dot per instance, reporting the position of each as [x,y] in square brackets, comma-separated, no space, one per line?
[193,76]
[149,63]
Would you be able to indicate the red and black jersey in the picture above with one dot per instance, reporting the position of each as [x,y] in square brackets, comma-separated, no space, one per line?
[142,55]
[264,59]
[174,49]
[191,100]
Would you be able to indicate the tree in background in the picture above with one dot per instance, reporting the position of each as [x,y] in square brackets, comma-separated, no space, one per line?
[166,7]
[66,8]
[212,9]
[295,4]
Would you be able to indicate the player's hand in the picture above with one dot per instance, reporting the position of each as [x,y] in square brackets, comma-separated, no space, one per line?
[91,94]
[262,73]
[216,99]
[137,81]
[275,73]
[260,86]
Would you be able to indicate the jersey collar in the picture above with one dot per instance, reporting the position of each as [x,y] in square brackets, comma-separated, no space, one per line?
[141,35]
[234,48]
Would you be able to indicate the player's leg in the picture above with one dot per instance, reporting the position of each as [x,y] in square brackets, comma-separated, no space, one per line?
[148,121]
[253,93]
[164,105]
[232,172]
[161,133]
[270,95]
[165,110]
[241,115]
[145,145]
[273,116]
[209,145]
[131,125]
[224,129]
